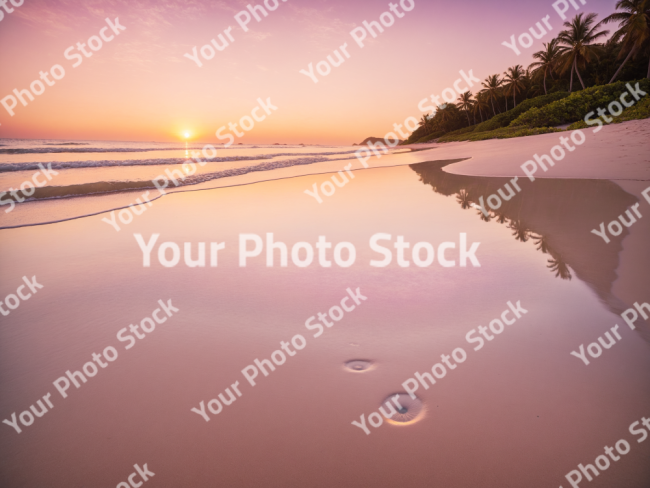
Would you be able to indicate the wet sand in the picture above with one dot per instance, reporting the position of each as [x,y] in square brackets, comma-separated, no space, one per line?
[519,412]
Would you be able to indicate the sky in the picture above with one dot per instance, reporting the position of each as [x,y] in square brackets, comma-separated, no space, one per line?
[139,86]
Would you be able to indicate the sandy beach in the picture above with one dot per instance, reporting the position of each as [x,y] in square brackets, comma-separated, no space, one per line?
[228,316]
[324,244]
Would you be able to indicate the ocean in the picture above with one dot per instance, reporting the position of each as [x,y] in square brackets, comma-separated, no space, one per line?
[90,177]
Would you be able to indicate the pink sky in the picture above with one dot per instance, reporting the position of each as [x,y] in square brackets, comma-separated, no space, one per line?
[139,86]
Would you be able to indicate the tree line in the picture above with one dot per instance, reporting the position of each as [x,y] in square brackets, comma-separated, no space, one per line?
[576,55]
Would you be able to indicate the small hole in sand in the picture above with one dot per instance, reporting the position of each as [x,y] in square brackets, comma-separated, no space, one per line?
[359,365]
[408,410]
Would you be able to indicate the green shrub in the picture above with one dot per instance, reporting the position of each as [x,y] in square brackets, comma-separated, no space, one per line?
[464,130]
[502,133]
[430,137]
[504,119]
[574,107]
[640,110]
[417,134]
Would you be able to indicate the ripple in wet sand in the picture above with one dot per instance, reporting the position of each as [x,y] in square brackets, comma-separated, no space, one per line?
[410,410]
[359,365]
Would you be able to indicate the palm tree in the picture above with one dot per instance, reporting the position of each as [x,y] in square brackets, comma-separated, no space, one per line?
[465,102]
[479,104]
[447,113]
[491,89]
[578,46]
[547,60]
[514,79]
[443,112]
[634,28]
[426,122]
[533,88]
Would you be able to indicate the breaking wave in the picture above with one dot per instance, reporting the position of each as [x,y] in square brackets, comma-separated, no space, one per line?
[5,167]
[44,150]
[101,187]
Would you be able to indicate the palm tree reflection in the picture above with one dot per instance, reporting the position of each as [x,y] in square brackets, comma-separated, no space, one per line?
[541,243]
[522,233]
[554,217]
[484,218]
[520,230]
[462,197]
[559,267]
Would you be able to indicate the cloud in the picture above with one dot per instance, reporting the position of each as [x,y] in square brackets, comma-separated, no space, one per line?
[258,36]
[54,16]
[322,25]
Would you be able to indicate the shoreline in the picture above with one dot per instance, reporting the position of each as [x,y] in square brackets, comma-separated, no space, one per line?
[492,158]
[500,157]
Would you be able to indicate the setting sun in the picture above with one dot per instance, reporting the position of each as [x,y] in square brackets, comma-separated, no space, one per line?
[186,134]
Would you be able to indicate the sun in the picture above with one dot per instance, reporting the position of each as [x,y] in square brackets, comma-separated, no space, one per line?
[186,134]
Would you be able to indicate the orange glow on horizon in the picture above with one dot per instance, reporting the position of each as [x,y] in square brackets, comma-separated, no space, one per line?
[140,86]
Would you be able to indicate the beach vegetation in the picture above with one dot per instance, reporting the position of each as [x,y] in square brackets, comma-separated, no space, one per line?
[633,34]
[547,62]
[514,83]
[431,137]
[506,118]
[544,94]
[465,103]
[638,111]
[492,90]
[578,45]
[576,106]
[503,133]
